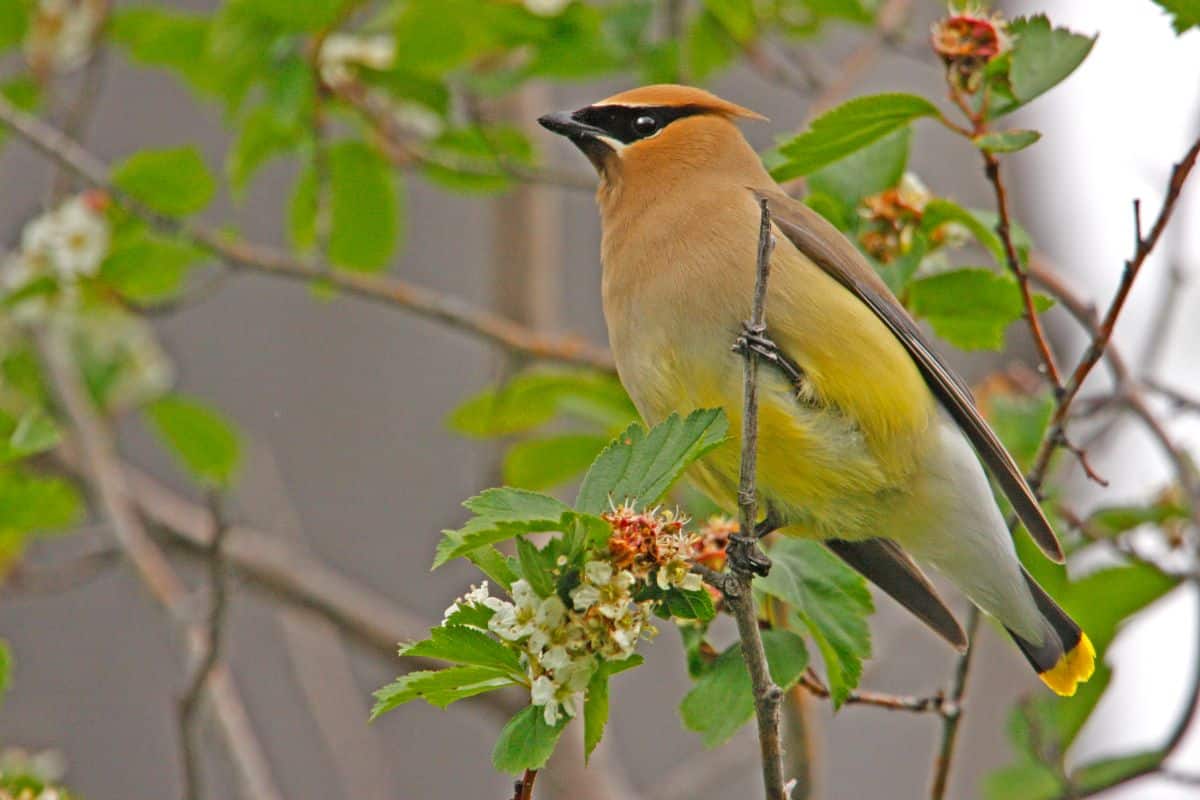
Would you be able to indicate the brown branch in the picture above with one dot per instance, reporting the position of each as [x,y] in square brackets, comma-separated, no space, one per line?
[99,456]
[523,789]
[932,704]
[209,655]
[736,585]
[1004,231]
[1102,334]
[421,301]
[953,718]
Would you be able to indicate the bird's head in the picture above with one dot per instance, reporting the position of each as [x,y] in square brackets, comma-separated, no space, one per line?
[655,128]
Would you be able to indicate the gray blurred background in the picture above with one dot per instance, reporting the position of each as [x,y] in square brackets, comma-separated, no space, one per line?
[344,403]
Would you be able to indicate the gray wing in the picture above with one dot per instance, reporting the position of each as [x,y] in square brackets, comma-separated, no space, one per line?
[882,562]
[825,246]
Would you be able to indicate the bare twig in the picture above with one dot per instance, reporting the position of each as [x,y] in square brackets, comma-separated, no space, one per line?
[421,301]
[931,704]
[98,454]
[209,655]
[1004,231]
[523,789]
[953,717]
[60,577]
[736,585]
[1102,335]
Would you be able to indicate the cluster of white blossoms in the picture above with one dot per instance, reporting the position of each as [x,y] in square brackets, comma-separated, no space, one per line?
[63,244]
[62,34]
[342,53]
[562,647]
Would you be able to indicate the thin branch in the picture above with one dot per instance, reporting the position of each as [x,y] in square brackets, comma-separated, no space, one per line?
[421,301]
[931,704]
[523,789]
[952,719]
[1102,335]
[736,586]
[1004,231]
[99,455]
[63,576]
[209,654]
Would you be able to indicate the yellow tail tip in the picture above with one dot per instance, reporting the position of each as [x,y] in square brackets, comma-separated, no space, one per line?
[1074,668]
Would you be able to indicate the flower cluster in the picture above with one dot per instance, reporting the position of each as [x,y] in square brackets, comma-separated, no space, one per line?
[63,245]
[966,42]
[26,775]
[892,218]
[62,34]
[652,544]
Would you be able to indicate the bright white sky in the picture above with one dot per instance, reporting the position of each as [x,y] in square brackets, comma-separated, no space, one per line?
[1112,132]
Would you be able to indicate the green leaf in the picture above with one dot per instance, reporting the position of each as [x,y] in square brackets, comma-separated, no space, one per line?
[261,135]
[1114,520]
[1185,14]
[1021,422]
[173,182]
[35,432]
[940,212]
[364,208]
[534,397]
[526,742]
[595,712]
[490,561]
[502,514]
[298,15]
[1026,780]
[689,605]
[30,503]
[302,210]
[6,662]
[1006,141]
[970,308]
[873,169]
[1042,56]
[1097,775]
[552,461]
[432,37]
[708,46]
[149,268]
[14,20]
[439,687]
[642,466]
[203,441]
[22,91]
[158,37]
[722,701]
[833,603]
[848,128]
[462,644]
[736,16]
[535,568]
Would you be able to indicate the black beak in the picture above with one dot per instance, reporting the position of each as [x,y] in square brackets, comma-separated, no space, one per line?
[564,124]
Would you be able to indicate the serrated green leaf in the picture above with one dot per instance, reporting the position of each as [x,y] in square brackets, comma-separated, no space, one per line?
[14,20]
[35,432]
[722,700]
[476,615]
[1027,780]
[970,308]
[1185,14]
[873,169]
[462,644]
[642,466]
[1021,423]
[261,135]
[534,397]
[200,437]
[490,561]
[833,603]
[502,514]
[439,688]
[364,207]
[848,128]
[1006,141]
[1042,57]
[149,268]
[551,461]
[526,742]
[33,503]
[1115,520]
[689,605]
[1097,775]
[595,712]
[535,568]
[175,182]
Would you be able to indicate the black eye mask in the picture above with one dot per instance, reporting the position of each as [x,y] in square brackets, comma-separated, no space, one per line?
[627,124]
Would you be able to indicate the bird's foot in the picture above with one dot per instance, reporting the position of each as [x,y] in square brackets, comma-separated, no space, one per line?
[745,556]
[754,339]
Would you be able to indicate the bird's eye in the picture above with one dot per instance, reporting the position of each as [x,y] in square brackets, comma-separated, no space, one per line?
[644,126]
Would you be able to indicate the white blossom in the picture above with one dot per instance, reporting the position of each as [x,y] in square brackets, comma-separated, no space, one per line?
[544,692]
[342,51]
[547,8]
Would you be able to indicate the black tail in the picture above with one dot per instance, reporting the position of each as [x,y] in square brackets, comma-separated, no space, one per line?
[1066,657]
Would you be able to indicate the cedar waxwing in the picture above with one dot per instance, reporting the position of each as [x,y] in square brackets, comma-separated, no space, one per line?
[867,440]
